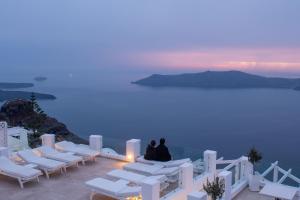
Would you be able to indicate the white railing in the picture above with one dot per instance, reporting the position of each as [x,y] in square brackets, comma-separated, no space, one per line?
[240,169]
[276,170]
[186,182]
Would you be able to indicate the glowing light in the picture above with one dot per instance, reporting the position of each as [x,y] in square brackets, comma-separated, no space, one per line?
[129,158]
[135,198]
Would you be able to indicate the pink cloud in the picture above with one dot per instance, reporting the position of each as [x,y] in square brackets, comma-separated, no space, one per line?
[276,59]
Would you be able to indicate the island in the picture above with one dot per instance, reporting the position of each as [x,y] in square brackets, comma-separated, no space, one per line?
[40,78]
[4,85]
[219,80]
[9,95]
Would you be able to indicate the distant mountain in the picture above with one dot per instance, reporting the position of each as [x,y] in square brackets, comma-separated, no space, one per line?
[15,85]
[219,79]
[9,95]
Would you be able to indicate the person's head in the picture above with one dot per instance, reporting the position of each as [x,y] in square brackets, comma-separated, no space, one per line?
[162,141]
[153,143]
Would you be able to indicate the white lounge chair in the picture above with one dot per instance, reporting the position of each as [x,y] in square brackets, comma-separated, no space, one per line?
[22,173]
[81,150]
[67,158]
[137,178]
[171,163]
[115,189]
[170,172]
[46,165]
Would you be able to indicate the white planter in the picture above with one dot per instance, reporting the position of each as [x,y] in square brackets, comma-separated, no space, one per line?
[254,183]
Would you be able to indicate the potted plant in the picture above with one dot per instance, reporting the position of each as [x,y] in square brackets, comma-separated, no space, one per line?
[254,179]
[215,189]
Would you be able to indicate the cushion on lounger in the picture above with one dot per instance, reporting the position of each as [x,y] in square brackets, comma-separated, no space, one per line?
[30,157]
[10,167]
[55,155]
[113,188]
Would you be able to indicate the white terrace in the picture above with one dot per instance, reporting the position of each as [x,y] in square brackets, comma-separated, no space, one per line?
[188,184]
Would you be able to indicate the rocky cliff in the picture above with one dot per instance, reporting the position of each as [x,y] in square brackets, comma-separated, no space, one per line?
[20,113]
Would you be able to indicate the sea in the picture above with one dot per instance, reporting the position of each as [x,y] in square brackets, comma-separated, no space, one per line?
[230,121]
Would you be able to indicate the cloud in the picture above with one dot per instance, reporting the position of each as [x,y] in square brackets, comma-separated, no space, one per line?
[248,59]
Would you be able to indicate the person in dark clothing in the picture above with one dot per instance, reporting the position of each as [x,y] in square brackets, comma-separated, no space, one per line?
[162,152]
[151,151]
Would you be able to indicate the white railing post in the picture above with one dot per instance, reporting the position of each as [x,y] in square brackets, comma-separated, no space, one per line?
[275,174]
[227,177]
[210,161]
[197,196]
[3,134]
[187,176]
[133,149]
[237,172]
[4,152]
[48,140]
[95,142]
[244,168]
[150,189]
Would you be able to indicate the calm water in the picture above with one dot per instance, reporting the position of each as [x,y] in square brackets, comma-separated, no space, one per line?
[192,120]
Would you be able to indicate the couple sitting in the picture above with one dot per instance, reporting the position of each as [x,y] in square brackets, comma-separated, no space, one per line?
[159,153]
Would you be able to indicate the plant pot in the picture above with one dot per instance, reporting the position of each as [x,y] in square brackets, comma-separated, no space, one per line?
[254,183]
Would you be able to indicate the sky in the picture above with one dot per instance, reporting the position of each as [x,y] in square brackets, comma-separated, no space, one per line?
[169,36]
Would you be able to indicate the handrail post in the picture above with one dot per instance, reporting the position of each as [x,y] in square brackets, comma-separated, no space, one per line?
[48,140]
[244,173]
[237,172]
[187,176]
[133,149]
[96,142]
[210,161]
[227,177]
[150,189]
[3,134]
[275,174]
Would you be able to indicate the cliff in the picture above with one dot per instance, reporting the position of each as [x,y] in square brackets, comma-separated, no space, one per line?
[20,113]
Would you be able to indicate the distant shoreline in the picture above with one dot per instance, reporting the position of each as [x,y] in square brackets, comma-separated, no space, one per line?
[6,85]
[7,94]
[10,95]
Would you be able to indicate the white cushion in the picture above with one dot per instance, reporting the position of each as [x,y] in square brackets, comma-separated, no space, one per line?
[55,155]
[10,167]
[30,157]
[114,189]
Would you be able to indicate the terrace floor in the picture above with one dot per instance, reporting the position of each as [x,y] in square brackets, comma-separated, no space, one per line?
[71,185]
[60,186]
[248,195]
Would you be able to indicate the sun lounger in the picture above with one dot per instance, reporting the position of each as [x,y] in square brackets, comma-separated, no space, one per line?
[67,158]
[156,169]
[21,173]
[115,189]
[81,150]
[46,165]
[171,163]
[137,178]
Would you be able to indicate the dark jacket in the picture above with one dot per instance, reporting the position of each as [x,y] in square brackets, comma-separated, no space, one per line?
[162,153]
[150,153]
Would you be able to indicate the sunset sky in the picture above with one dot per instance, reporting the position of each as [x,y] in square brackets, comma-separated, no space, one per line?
[260,36]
